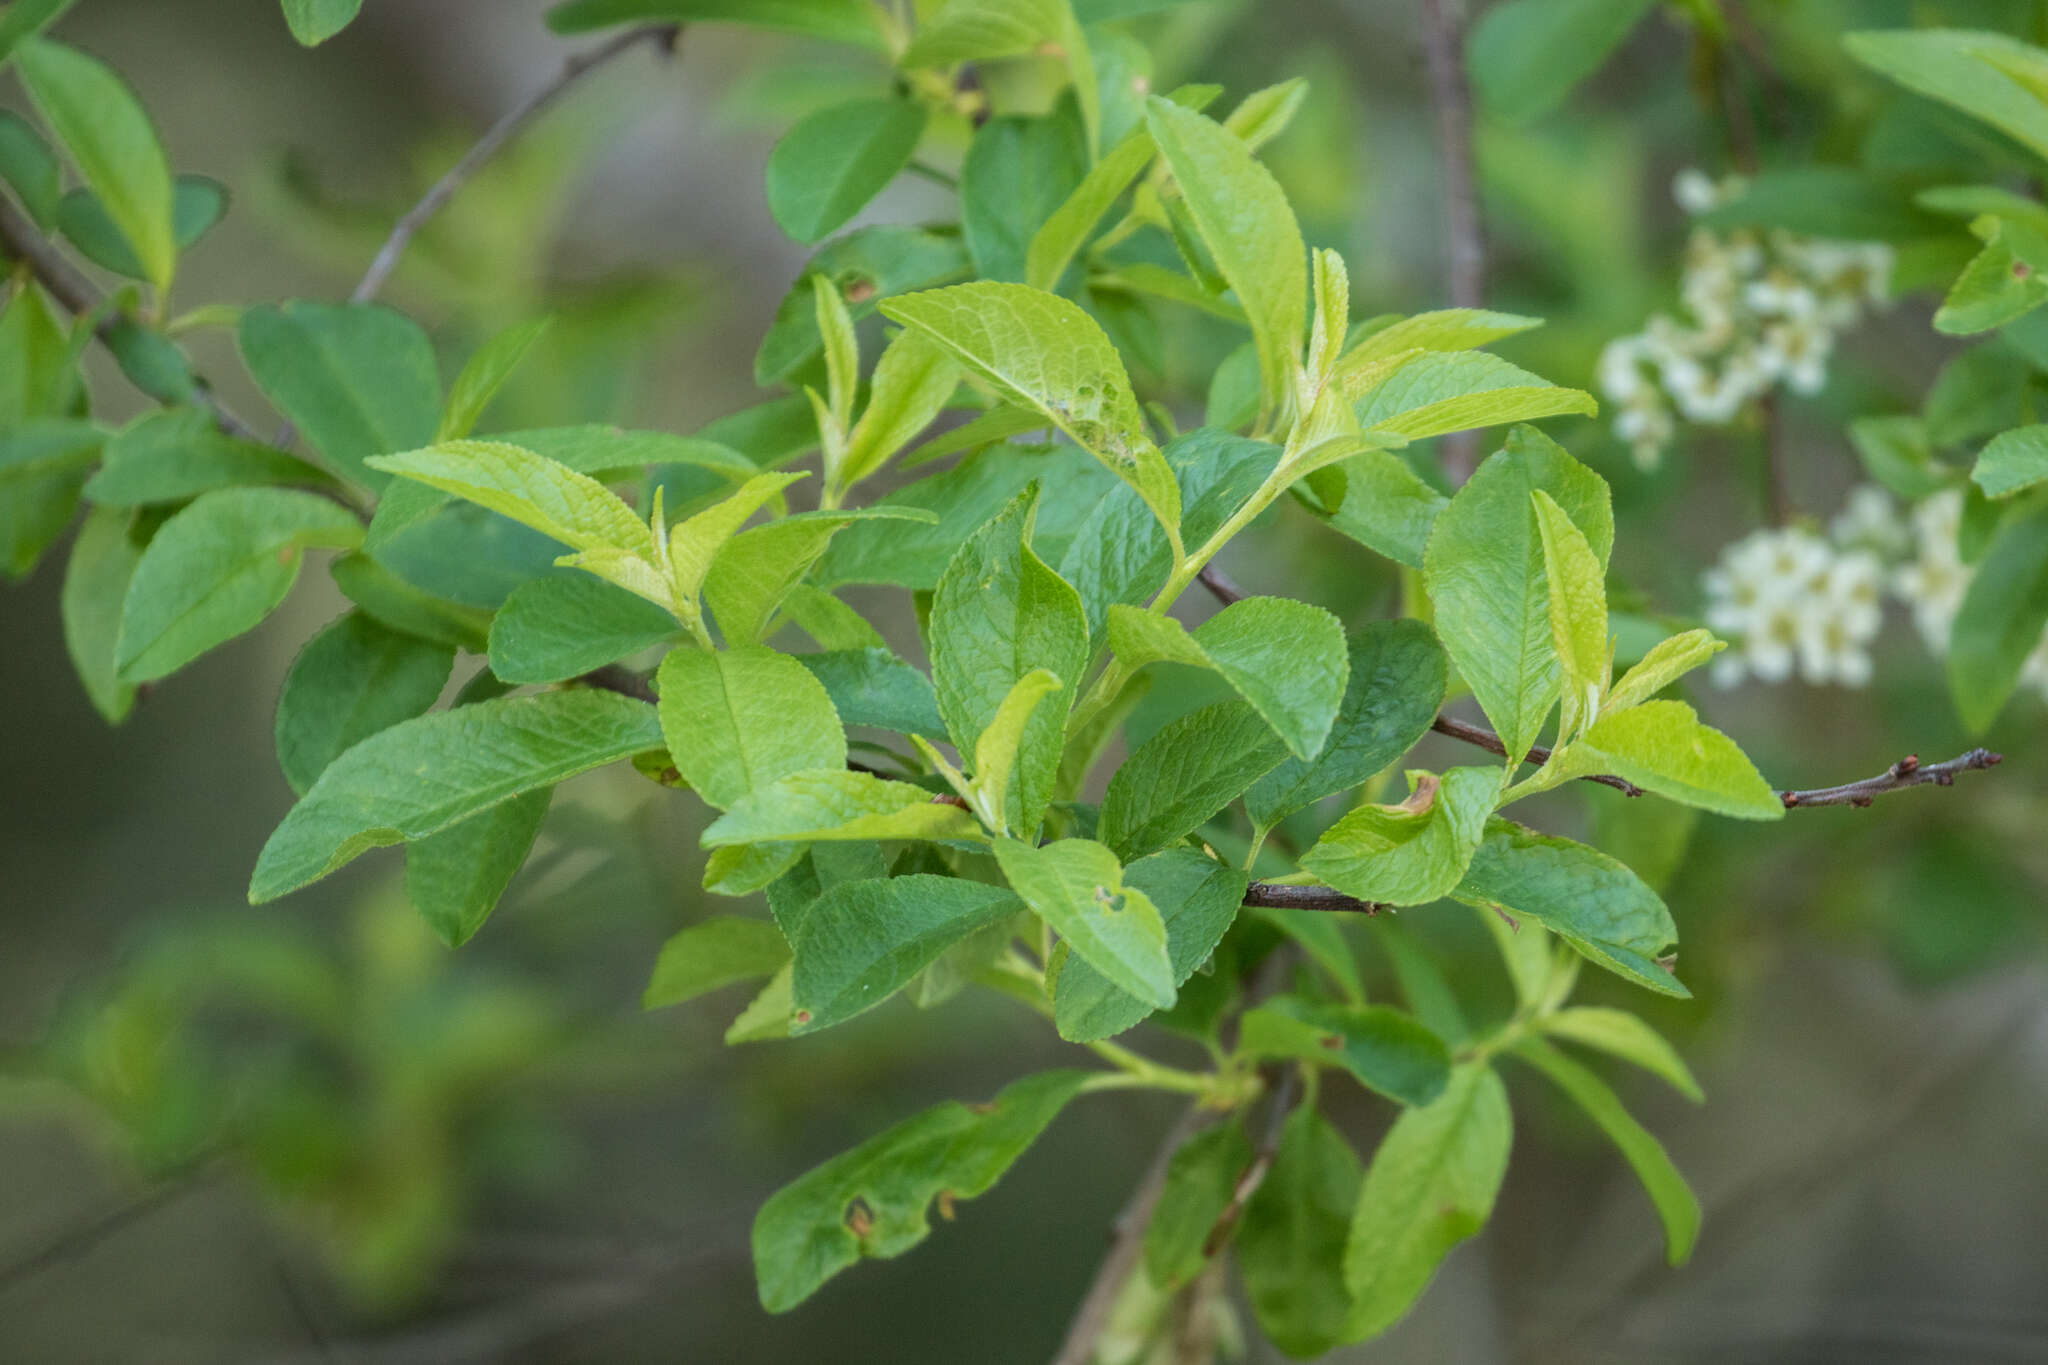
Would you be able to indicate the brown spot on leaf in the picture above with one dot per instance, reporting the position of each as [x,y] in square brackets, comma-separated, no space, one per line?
[1424,796]
[1332,1041]
[803,1016]
[946,1205]
[859,290]
[860,1219]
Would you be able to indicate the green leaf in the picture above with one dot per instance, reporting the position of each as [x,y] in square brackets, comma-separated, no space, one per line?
[1002,740]
[2012,461]
[315,21]
[713,953]
[1988,76]
[1017,173]
[565,625]
[420,777]
[1286,658]
[1994,288]
[38,359]
[874,687]
[1190,770]
[1662,747]
[456,878]
[1387,1051]
[197,203]
[1079,888]
[1384,506]
[739,720]
[1676,1204]
[911,384]
[829,803]
[866,265]
[387,598]
[110,139]
[1412,853]
[1200,1179]
[766,1016]
[755,571]
[217,568]
[24,19]
[1198,899]
[1897,453]
[864,940]
[1578,611]
[999,614]
[103,560]
[357,379]
[43,464]
[531,489]
[1446,329]
[1392,690]
[1484,572]
[872,1200]
[839,21]
[693,545]
[1445,391]
[1526,55]
[1588,899]
[1042,352]
[1668,660]
[832,163]
[1249,228]
[352,680]
[1061,234]
[1291,1241]
[177,454]
[29,166]
[1624,1035]
[2001,619]
[486,373]
[1431,1185]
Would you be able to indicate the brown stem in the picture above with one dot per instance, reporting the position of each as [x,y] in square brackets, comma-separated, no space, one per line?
[1443,41]
[1907,772]
[494,139]
[1489,741]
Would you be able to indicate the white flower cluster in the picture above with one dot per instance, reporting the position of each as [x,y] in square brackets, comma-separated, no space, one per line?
[1762,309]
[1792,600]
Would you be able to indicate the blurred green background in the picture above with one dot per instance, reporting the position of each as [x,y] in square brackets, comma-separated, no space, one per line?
[309,1133]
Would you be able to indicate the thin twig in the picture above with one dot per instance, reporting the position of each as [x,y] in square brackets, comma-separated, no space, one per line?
[1907,772]
[1443,41]
[493,140]
[1491,742]
[1280,896]
[1254,1173]
[619,679]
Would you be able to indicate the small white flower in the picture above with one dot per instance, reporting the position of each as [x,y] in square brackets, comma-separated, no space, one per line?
[1695,190]
[1934,582]
[1869,521]
[1786,599]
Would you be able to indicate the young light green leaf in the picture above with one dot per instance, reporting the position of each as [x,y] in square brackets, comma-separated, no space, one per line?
[1668,660]
[832,163]
[1578,612]
[837,804]
[999,614]
[739,720]
[1042,352]
[456,878]
[1445,391]
[1526,55]
[1676,1204]
[1250,230]
[1195,895]
[1286,658]
[867,265]
[1588,899]
[1412,853]
[1446,329]
[357,379]
[110,139]
[484,375]
[179,453]
[864,940]
[912,382]
[1078,887]
[766,1016]
[565,625]
[1431,1185]
[713,953]
[102,564]
[217,568]
[1291,1241]
[1060,237]
[530,489]
[1392,691]
[352,680]
[1386,1050]
[1662,747]
[2012,461]
[1002,740]
[1624,1035]
[2000,620]
[1264,114]
[755,571]
[1485,574]
[420,777]
[315,21]
[872,1200]
[1200,1179]
[1190,770]
[693,544]
[873,687]
[1995,288]
[842,365]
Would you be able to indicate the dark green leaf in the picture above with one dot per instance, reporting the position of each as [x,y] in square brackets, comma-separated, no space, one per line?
[315,21]
[197,203]
[567,624]
[178,454]
[456,878]
[1197,897]
[874,687]
[357,379]
[864,940]
[1526,55]
[866,265]
[1291,1241]
[1388,1051]
[830,165]
[1018,171]
[351,680]
[28,165]
[1199,1182]
[2000,621]
[43,464]
[103,560]
[386,597]
[1189,771]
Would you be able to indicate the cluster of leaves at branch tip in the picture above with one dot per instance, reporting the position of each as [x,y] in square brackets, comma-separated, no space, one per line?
[923,826]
